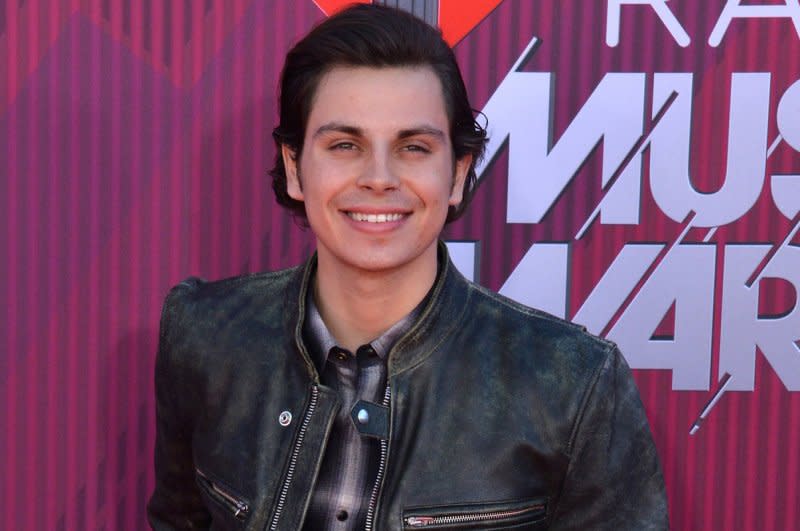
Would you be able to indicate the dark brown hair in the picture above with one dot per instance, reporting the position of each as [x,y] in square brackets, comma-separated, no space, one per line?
[372,36]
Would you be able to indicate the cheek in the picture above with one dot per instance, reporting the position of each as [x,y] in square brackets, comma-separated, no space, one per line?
[438,196]
[324,171]
[319,189]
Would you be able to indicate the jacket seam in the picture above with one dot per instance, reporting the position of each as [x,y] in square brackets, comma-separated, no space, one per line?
[586,397]
[533,312]
[435,346]
[165,352]
[590,388]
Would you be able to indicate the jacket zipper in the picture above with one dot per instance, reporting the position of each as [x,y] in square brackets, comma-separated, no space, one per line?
[293,458]
[423,521]
[238,506]
[373,499]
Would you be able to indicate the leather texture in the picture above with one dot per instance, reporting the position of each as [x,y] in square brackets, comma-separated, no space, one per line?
[493,405]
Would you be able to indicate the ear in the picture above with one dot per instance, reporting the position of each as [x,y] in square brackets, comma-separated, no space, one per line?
[460,175]
[293,186]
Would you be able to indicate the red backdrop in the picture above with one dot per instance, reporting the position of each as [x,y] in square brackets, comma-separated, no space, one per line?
[134,149]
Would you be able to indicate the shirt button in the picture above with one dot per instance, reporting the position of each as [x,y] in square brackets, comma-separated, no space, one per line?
[342,516]
[340,354]
[366,351]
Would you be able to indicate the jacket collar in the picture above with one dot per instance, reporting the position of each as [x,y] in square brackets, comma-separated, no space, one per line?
[438,319]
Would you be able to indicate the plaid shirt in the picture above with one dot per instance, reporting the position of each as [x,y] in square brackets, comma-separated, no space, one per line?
[350,464]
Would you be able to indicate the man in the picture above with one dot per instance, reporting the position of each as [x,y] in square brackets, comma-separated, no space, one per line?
[374,387]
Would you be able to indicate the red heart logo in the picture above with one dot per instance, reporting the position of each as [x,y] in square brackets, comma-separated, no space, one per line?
[456,17]
[330,7]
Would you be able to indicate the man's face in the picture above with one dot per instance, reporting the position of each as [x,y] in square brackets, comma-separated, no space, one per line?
[376,172]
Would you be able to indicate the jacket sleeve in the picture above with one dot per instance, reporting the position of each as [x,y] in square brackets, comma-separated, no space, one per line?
[175,502]
[614,478]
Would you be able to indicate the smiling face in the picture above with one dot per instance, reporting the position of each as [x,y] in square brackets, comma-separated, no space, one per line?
[376,173]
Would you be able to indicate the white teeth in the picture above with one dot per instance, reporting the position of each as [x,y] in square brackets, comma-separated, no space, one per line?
[374,218]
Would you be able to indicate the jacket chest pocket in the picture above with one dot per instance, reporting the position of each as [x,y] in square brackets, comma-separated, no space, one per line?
[527,515]
[226,502]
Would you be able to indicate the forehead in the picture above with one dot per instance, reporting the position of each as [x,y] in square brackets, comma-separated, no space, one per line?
[379,99]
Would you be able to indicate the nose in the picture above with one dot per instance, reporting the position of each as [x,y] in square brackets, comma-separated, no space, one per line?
[378,175]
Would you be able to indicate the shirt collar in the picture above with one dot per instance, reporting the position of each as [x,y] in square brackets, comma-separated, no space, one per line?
[321,340]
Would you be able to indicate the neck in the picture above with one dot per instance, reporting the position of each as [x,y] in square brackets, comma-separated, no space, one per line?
[358,306]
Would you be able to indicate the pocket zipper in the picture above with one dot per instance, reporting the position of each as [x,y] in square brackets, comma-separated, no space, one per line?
[238,506]
[447,519]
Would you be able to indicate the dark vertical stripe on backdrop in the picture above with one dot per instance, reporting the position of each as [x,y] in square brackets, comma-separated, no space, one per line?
[2,17]
[428,10]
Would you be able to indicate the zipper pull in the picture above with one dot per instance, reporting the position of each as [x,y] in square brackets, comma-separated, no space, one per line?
[419,521]
[241,509]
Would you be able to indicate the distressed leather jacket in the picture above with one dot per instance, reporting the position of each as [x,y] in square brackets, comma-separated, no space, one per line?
[501,416]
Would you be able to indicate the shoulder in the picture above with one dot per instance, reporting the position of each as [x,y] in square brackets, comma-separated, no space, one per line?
[227,326]
[197,291]
[556,368]
[201,316]
[544,333]
[198,299]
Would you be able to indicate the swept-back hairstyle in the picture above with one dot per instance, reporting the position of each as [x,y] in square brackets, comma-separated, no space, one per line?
[371,36]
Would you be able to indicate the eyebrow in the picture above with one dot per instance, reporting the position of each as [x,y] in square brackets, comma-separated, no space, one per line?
[421,130]
[338,127]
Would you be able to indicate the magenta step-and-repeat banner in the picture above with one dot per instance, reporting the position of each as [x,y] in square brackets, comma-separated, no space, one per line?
[643,179]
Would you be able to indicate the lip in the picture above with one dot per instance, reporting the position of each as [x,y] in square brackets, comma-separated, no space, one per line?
[400,217]
[381,217]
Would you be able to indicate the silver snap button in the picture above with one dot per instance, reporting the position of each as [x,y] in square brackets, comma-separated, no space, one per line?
[285,418]
[362,416]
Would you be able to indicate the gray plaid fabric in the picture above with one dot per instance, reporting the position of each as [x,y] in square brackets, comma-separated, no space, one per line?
[350,464]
